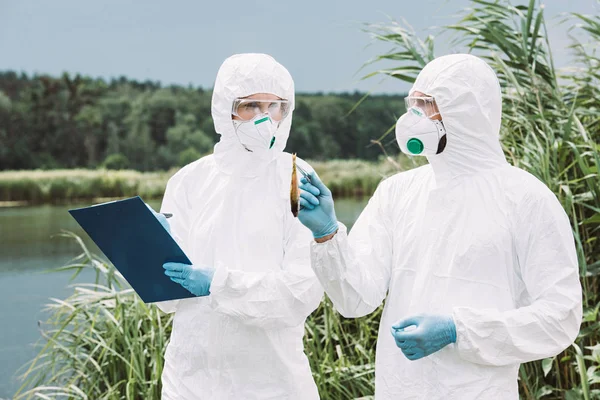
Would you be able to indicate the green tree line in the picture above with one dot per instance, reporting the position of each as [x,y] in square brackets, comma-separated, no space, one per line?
[74,121]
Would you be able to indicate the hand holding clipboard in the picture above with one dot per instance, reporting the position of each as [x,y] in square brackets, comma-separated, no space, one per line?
[136,243]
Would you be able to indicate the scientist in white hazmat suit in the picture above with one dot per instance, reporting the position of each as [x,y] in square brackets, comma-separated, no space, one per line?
[241,338]
[476,257]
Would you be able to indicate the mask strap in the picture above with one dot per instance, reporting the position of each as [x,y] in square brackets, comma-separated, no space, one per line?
[442,144]
[444,139]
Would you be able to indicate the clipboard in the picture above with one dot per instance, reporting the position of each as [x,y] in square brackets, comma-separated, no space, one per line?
[136,243]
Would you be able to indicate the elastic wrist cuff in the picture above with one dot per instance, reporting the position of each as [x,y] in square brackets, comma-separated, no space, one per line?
[328,232]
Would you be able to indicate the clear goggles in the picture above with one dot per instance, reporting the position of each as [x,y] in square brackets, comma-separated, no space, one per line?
[425,104]
[247,109]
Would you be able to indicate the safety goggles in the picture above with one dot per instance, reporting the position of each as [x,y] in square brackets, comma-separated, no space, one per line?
[247,109]
[425,104]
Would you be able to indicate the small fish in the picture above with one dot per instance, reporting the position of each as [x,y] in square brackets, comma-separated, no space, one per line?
[294,191]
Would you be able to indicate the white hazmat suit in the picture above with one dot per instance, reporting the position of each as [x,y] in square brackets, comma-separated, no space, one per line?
[468,236]
[244,340]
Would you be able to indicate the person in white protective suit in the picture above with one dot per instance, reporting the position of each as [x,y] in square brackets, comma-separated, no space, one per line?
[477,257]
[241,338]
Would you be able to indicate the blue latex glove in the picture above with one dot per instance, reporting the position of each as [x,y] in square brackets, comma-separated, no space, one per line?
[317,212]
[196,279]
[161,218]
[428,334]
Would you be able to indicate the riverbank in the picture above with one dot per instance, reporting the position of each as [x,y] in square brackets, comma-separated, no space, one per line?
[345,178]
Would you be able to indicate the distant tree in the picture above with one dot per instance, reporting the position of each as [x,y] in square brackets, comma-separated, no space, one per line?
[187,156]
[116,161]
[77,121]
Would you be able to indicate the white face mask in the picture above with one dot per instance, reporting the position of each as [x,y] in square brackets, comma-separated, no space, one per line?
[418,135]
[258,133]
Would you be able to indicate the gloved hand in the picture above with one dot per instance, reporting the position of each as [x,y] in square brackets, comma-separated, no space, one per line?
[317,212]
[430,334]
[196,279]
[161,218]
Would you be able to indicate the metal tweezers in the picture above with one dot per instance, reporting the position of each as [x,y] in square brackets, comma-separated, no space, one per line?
[304,173]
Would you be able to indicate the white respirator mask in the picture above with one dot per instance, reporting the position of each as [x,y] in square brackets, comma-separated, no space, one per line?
[258,133]
[417,134]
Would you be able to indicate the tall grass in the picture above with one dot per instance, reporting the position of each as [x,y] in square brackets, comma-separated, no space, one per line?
[550,128]
[345,177]
[341,352]
[104,343]
[72,185]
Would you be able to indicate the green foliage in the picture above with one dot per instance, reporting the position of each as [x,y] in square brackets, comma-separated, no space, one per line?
[5,103]
[103,342]
[187,156]
[116,161]
[348,178]
[72,185]
[341,352]
[73,122]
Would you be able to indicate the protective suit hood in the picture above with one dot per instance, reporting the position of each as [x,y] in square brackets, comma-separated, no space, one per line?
[469,98]
[242,75]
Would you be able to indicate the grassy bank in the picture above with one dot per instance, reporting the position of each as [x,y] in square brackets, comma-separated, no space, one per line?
[103,342]
[344,177]
[58,186]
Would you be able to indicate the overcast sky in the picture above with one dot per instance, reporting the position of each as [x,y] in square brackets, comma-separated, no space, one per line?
[185,41]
